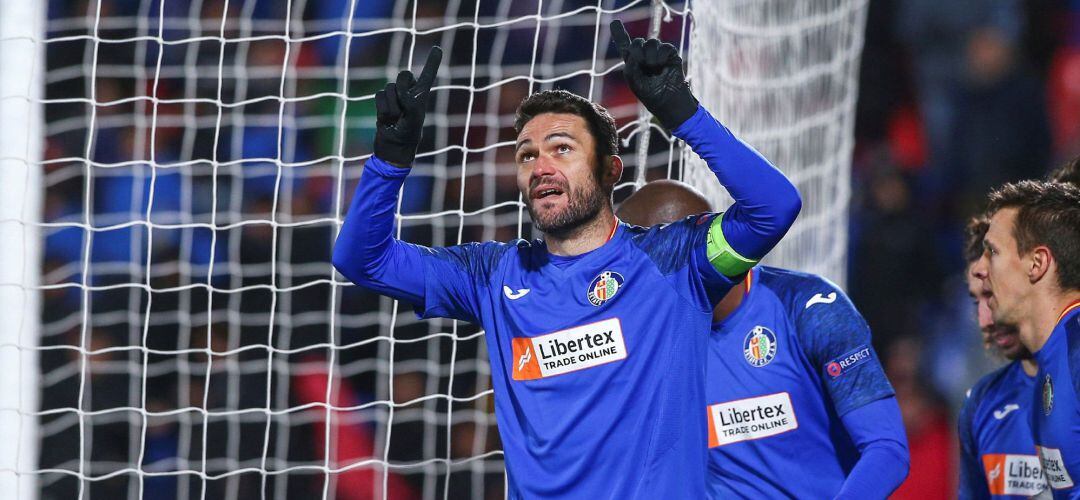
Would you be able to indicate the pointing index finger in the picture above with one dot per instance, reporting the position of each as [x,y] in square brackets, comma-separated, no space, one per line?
[620,36]
[431,68]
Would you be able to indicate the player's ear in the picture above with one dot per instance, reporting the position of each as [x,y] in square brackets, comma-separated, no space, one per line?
[1039,261]
[613,168]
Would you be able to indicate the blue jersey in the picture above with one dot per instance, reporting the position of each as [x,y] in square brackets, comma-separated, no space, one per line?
[1056,418]
[997,452]
[597,361]
[783,369]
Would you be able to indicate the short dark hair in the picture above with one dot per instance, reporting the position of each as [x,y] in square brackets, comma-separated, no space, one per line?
[1069,172]
[973,238]
[1048,213]
[601,124]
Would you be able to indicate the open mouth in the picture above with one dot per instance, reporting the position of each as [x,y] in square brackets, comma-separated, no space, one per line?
[545,192]
[1004,339]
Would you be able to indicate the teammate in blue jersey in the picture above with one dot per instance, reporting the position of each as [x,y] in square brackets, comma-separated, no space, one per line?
[997,452]
[597,331]
[1031,267]
[798,404]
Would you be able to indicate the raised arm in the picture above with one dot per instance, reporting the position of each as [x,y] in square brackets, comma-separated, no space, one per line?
[766,203]
[366,251]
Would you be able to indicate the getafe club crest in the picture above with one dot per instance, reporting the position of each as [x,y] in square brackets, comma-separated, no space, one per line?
[604,287]
[759,347]
[1048,395]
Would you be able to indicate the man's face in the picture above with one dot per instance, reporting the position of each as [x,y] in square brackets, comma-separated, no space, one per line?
[557,172]
[1002,270]
[1004,338]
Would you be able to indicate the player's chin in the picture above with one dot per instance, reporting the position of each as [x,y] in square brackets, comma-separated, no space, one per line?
[547,210]
[549,223]
[556,222]
[1016,352]
[1007,341]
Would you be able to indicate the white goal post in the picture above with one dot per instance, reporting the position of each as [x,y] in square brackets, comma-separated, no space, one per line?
[175,174]
[21,56]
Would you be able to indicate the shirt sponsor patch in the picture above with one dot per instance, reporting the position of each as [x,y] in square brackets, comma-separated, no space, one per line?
[751,418]
[849,360]
[568,350]
[1013,474]
[1054,468]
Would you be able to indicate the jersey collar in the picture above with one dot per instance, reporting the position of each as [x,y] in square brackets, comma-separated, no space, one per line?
[750,283]
[614,229]
[596,253]
[1068,309]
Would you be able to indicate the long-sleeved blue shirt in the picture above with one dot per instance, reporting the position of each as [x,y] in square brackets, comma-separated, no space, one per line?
[598,359]
[795,386]
[997,452]
[1055,419]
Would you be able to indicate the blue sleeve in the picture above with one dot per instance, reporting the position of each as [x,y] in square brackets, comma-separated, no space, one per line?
[366,251]
[437,281]
[973,483]
[456,278]
[877,429]
[766,203]
[836,339]
[678,250]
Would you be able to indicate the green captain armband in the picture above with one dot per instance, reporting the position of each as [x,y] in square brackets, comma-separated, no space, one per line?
[720,254]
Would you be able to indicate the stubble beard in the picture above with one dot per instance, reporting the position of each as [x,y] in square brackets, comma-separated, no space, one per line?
[582,207]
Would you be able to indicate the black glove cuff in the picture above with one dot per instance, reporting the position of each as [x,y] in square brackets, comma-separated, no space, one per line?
[678,108]
[396,154]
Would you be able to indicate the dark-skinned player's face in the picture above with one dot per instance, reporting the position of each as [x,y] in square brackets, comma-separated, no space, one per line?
[557,172]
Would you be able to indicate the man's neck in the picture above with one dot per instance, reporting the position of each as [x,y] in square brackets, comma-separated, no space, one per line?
[585,238]
[1031,368]
[1045,310]
[730,302]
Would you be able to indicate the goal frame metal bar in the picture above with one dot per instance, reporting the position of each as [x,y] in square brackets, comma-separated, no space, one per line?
[22,55]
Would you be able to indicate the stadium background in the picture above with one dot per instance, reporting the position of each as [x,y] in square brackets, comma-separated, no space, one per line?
[954,97]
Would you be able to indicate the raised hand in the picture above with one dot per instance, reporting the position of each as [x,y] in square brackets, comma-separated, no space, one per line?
[400,111]
[654,72]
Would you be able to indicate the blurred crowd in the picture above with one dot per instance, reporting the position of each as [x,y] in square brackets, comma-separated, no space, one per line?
[955,97]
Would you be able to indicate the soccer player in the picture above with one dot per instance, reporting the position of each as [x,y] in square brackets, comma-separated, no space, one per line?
[997,452]
[596,332]
[798,404]
[1031,266]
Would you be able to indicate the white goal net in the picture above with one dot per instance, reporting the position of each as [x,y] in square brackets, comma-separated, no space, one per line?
[783,75]
[195,160]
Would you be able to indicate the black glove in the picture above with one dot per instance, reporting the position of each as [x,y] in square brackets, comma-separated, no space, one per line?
[400,111]
[654,72]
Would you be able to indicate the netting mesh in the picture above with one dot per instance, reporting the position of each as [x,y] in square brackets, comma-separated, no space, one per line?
[783,75]
[198,155]
[196,341]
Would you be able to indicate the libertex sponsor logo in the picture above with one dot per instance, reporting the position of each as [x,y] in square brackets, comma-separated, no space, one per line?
[751,418]
[1053,467]
[568,350]
[1008,474]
